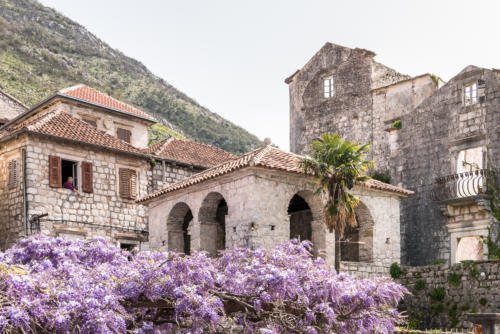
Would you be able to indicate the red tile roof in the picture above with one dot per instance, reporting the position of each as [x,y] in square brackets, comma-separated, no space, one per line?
[265,157]
[91,95]
[190,152]
[62,125]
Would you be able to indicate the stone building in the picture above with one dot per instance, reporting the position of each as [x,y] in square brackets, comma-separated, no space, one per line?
[102,144]
[10,107]
[427,135]
[263,199]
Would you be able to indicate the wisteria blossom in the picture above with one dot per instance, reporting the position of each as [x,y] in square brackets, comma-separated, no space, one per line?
[74,286]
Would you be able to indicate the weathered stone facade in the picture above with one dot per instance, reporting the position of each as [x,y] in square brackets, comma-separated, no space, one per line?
[26,190]
[263,208]
[9,107]
[438,124]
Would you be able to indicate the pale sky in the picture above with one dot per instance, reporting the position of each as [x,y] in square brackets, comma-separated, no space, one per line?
[232,56]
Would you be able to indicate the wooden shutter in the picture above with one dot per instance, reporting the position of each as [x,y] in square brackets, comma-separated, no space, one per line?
[87,177]
[128,183]
[12,182]
[124,134]
[55,176]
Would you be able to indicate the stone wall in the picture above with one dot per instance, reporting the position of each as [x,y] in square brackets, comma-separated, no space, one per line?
[469,287]
[9,107]
[12,222]
[435,127]
[257,217]
[363,269]
[428,146]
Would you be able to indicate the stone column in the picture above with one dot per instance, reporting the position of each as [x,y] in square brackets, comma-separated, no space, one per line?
[489,321]
[195,230]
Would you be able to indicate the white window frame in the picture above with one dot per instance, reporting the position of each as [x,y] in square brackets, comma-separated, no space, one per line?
[328,87]
[470,94]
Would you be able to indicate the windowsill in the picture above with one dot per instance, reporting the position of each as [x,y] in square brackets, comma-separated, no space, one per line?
[472,107]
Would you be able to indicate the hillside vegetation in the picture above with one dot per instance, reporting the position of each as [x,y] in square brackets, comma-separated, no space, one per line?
[42,51]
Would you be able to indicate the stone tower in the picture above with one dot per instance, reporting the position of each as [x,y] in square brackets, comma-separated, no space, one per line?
[346,91]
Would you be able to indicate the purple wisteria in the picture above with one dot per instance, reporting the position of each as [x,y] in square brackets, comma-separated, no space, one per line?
[54,285]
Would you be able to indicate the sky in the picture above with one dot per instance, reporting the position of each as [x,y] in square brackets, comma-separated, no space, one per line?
[232,56]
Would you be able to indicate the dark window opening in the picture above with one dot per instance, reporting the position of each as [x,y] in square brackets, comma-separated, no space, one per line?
[124,134]
[69,169]
[220,218]
[92,122]
[127,247]
[300,219]
[185,232]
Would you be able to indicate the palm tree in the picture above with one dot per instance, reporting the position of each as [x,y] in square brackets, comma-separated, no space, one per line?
[338,164]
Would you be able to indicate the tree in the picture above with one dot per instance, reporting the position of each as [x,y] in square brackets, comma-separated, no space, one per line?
[338,164]
[56,285]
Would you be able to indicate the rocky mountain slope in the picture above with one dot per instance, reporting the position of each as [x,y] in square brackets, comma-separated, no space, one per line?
[42,51]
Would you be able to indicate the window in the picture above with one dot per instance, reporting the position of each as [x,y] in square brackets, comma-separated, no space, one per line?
[69,169]
[92,122]
[328,89]
[12,182]
[124,134]
[128,247]
[470,94]
[128,183]
[60,170]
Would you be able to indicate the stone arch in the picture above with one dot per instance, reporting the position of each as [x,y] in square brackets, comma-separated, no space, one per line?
[357,243]
[306,220]
[212,218]
[178,224]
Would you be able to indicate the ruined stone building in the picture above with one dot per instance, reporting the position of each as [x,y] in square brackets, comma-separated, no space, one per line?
[10,107]
[102,144]
[263,199]
[428,136]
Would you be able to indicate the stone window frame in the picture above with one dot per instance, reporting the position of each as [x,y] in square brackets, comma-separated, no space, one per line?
[76,159]
[328,84]
[89,119]
[470,93]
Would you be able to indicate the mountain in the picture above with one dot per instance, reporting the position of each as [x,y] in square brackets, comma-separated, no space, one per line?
[42,51]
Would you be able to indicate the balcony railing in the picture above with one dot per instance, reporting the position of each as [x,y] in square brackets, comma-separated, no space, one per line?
[461,185]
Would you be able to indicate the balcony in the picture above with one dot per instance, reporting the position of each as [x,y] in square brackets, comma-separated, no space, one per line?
[462,186]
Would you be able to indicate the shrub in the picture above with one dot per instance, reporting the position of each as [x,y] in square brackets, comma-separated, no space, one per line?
[382,178]
[454,279]
[54,285]
[413,323]
[397,124]
[420,285]
[395,270]
[439,261]
[474,272]
[438,307]
[465,307]
[438,293]
[483,301]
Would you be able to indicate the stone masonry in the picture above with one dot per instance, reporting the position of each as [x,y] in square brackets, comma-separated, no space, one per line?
[437,125]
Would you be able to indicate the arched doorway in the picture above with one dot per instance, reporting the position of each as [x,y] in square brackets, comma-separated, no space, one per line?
[357,243]
[300,219]
[212,217]
[178,221]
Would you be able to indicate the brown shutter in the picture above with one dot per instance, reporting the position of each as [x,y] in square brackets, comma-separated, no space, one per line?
[87,179]
[133,184]
[128,183]
[12,183]
[124,134]
[55,177]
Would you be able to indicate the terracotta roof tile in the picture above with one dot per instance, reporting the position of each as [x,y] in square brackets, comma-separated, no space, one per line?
[88,94]
[190,152]
[265,157]
[62,125]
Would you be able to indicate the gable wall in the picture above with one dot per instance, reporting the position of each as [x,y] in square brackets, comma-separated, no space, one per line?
[9,108]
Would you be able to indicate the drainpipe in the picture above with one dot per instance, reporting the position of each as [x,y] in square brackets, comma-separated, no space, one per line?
[25,192]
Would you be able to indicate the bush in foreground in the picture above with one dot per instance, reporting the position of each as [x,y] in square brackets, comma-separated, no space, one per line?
[59,286]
